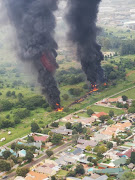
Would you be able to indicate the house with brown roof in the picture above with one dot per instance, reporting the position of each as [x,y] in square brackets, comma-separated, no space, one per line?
[86,121]
[40,138]
[98,115]
[115,129]
[36,176]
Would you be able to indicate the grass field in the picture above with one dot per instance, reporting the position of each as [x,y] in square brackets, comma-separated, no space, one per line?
[130,94]
[96,108]
[62,173]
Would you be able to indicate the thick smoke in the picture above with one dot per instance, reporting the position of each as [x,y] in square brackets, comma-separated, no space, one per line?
[81,17]
[34,22]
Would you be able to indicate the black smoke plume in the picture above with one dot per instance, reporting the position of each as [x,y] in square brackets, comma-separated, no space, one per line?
[34,22]
[81,17]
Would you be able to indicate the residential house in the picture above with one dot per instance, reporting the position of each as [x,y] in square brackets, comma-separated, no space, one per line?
[111,171]
[111,154]
[41,138]
[65,159]
[22,153]
[82,143]
[77,151]
[98,115]
[35,176]
[126,153]
[36,144]
[115,129]
[104,177]
[19,178]
[86,121]
[72,178]
[101,137]
[48,168]
[62,130]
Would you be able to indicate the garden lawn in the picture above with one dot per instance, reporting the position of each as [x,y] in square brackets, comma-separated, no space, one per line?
[62,173]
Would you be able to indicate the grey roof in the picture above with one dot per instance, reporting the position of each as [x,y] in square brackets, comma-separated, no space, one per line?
[37,144]
[120,161]
[104,177]
[87,178]
[77,151]
[62,130]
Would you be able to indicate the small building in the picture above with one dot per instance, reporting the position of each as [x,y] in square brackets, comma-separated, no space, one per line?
[62,130]
[35,176]
[98,115]
[22,153]
[72,178]
[126,153]
[41,138]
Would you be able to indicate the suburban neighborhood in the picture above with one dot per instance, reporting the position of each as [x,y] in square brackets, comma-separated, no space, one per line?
[85,145]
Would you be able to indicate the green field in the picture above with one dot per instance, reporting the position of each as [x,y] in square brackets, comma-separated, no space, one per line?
[130,94]
[62,173]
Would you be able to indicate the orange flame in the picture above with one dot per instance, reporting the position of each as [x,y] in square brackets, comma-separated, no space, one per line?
[105,84]
[59,109]
[94,88]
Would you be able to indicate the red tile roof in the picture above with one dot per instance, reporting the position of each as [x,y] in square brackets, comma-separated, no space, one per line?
[126,153]
[100,114]
[40,138]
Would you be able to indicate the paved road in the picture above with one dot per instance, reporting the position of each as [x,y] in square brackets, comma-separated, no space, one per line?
[55,151]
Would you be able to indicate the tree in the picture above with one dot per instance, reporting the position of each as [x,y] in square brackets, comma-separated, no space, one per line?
[53,178]
[111,113]
[109,122]
[104,118]
[55,124]
[13,146]
[74,132]
[56,139]
[4,166]
[133,157]
[75,138]
[78,127]
[90,112]
[71,174]
[68,125]
[22,171]
[128,176]
[21,114]
[100,149]
[5,105]
[109,145]
[49,153]
[89,159]
[29,156]
[8,94]
[30,139]
[125,98]
[34,127]
[79,169]
[88,148]
[65,97]
[6,154]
